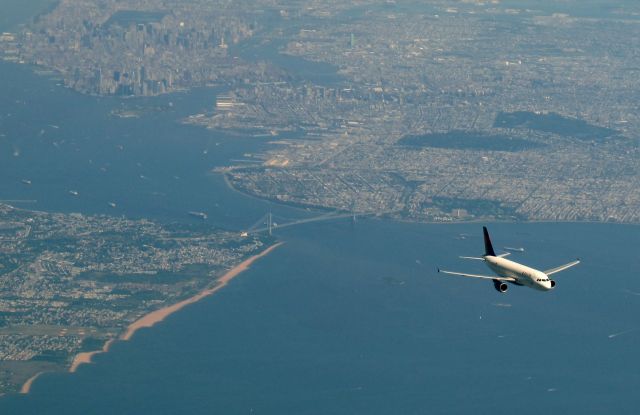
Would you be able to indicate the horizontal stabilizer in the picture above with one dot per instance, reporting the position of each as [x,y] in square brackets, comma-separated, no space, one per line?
[561,267]
[472,257]
[504,255]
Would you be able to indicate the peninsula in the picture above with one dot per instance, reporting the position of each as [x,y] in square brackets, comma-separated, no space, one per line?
[71,284]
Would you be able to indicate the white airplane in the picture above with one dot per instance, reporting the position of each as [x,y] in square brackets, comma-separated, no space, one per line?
[511,272]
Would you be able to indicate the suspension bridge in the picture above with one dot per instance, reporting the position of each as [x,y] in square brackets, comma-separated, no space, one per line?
[267,223]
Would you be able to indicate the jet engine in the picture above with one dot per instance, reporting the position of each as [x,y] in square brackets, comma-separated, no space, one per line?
[501,286]
[553,283]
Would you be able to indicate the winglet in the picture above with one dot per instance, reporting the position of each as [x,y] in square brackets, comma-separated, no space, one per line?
[438,268]
[488,247]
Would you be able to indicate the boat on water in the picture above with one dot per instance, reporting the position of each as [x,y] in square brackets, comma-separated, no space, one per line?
[512,249]
[200,215]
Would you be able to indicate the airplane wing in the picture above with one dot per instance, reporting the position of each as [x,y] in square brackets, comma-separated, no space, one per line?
[486,277]
[561,267]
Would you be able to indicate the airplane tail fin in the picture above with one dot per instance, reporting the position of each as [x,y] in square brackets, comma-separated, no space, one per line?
[488,247]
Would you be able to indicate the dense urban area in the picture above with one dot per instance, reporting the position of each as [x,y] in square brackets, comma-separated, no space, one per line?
[71,282]
[432,112]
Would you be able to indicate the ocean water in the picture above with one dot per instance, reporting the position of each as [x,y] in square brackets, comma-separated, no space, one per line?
[152,166]
[342,319]
[350,320]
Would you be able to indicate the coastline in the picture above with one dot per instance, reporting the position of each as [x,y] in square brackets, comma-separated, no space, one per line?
[302,206]
[157,316]
[85,357]
[26,387]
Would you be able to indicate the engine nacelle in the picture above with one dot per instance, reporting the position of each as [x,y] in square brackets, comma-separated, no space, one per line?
[500,286]
[553,283]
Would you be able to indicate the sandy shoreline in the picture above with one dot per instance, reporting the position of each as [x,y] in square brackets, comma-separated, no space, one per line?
[157,316]
[85,357]
[27,385]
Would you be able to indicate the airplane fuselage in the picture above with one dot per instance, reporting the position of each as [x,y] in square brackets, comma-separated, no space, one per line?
[511,272]
[522,274]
